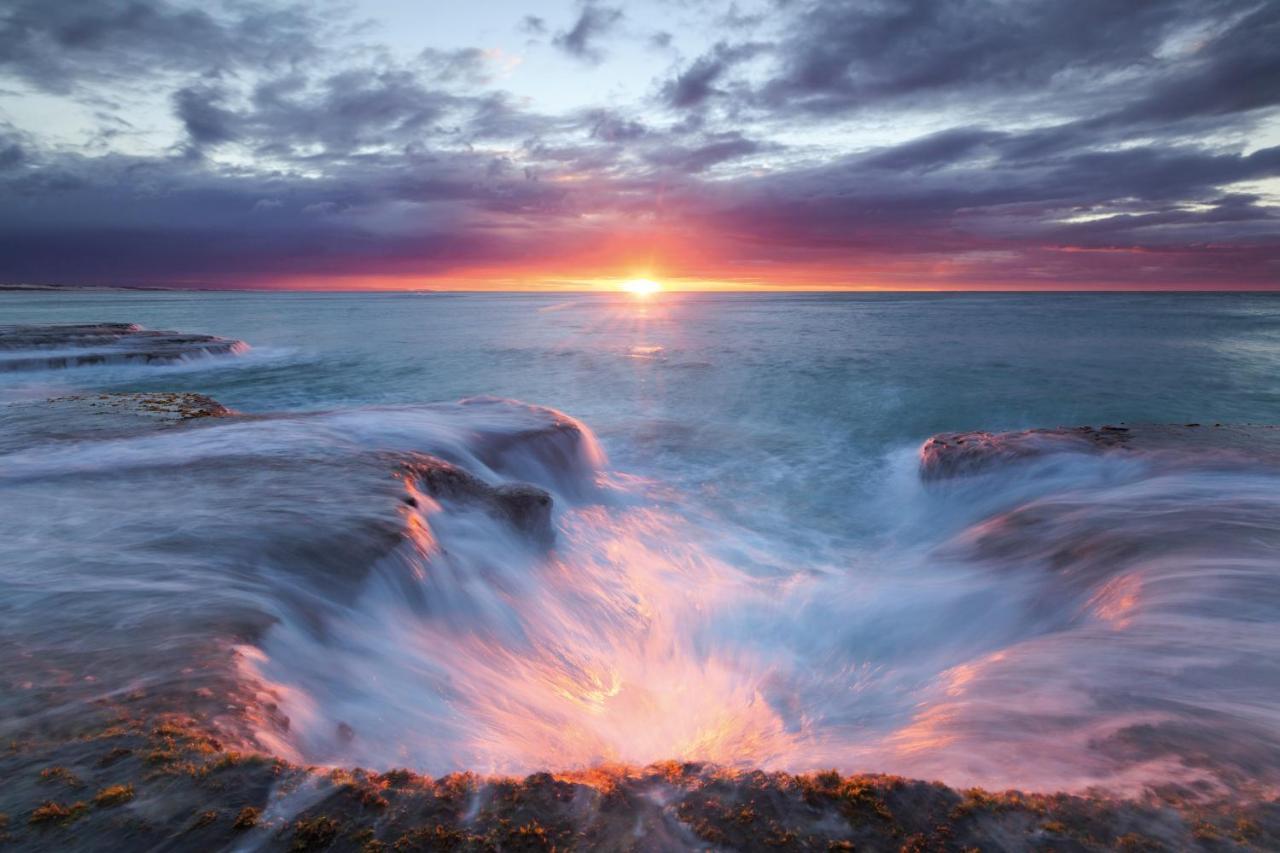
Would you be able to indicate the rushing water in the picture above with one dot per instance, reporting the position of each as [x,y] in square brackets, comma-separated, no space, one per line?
[747,566]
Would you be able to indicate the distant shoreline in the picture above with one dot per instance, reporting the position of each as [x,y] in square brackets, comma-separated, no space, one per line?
[23,288]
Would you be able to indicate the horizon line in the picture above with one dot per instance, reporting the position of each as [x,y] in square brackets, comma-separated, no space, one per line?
[587,291]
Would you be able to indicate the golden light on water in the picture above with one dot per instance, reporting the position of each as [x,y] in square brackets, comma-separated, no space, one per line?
[641,286]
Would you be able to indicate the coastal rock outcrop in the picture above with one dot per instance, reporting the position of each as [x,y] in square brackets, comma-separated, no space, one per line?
[958,454]
[194,793]
[98,416]
[525,507]
[534,443]
[272,516]
[53,347]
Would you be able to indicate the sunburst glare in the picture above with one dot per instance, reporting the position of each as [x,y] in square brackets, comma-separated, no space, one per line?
[643,287]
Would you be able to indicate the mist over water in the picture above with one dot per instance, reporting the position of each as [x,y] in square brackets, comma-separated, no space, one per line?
[747,566]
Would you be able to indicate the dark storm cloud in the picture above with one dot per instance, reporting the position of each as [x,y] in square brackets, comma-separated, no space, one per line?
[120,220]
[346,109]
[594,23]
[935,150]
[858,205]
[611,127]
[1236,71]
[700,157]
[843,55]
[52,45]
[693,86]
[201,112]
[1099,65]
[11,154]
[355,108]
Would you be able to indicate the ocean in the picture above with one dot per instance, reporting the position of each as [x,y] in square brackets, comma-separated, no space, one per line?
[745,565]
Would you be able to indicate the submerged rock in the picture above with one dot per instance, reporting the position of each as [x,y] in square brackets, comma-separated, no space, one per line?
[81,345]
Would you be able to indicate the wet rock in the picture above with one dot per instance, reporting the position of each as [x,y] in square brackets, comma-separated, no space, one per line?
[80,334]
[81,345]
[961,453]
[264,514]
[526,508]
[154,407]
[203,797]
[964,453]
[533,443]
[97,416]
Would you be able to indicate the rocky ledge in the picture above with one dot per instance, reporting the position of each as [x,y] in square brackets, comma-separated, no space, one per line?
[963,453]
[81,345]
[79,416]
[168,784]
[525,507]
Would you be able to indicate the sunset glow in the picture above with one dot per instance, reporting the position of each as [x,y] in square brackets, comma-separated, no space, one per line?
[642,287]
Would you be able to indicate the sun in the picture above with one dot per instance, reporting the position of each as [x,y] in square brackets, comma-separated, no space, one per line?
[641,286]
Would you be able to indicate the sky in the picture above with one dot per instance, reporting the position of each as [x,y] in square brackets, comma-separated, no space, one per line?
[789,144]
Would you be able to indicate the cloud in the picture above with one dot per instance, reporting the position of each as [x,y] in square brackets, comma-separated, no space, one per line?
[1158,202]
[698,158]
[594,23]
[200,111]
[1235,70]
[696,84]
[57,46]
[611,127]
[844,55]
[12,152]
[468,65]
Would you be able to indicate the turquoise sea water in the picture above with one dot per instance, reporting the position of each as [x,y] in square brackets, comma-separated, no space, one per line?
[795,397]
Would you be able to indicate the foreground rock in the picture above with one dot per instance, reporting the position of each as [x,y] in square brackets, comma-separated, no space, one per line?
[81,345]
[173,530]
[111,742]
[168,784]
